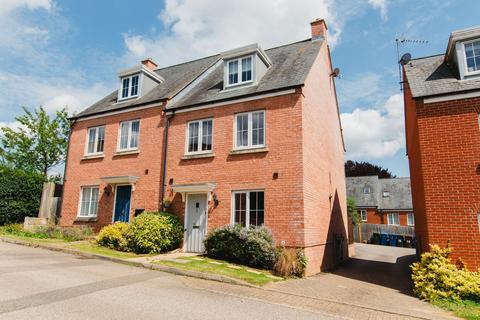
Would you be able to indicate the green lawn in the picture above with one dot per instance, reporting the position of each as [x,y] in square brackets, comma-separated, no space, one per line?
[465,309]
[91,247]
[219,267]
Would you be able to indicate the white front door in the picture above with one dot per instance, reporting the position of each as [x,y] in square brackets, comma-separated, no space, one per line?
[196,222]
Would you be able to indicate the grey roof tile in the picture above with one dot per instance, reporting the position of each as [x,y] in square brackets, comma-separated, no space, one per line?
[432,76]
[290,67]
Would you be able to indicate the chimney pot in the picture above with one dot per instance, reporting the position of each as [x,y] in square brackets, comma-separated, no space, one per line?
[319,29]
[149,64]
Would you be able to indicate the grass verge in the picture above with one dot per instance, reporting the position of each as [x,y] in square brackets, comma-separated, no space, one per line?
[219,267]
[91,247]
[469,310]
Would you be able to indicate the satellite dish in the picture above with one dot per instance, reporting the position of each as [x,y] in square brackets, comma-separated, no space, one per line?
[405,59]
[336,72]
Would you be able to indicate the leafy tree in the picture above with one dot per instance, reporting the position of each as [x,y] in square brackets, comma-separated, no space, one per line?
[39,143]
[357,169]
[352,211]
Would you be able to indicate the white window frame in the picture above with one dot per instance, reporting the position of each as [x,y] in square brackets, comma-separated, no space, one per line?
[386,194]
[96,141]
[410,214]
[79,209]
[129,136]
[366,188]
[240,78]
[247,208]
[129,95]
[393,214]
[250,130]
[363,211]
[200,133]
[468,73]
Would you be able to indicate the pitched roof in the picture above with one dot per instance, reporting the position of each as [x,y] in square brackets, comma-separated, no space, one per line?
[431,76]
[400,197]
[291,64]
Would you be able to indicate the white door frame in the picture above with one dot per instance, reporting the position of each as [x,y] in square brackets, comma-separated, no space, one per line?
[115,200]
[184,248]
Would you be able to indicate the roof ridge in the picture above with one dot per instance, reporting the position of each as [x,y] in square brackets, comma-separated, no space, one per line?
[219,54]
[430,56]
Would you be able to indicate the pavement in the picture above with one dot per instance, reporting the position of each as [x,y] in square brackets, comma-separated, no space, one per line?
[41,284]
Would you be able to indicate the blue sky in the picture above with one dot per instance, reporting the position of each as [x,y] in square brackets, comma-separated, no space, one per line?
[67,53]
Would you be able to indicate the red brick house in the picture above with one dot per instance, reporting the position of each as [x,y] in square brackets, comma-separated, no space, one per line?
[442,107]
[382,201]
[247,136]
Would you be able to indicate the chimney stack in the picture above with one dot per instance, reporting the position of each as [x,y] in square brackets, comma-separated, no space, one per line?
[319,29]
[149,64]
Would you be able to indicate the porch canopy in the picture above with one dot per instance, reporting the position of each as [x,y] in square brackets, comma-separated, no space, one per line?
[120,180]
[183,189]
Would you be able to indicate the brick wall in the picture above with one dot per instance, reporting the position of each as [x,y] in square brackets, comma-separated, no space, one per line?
[444,147]
[83,172]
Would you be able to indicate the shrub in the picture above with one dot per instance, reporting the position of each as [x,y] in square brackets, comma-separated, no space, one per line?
[253,247]
[75,233]
[154,232]
[435,277]
[52,232]
[113,236]
[20,194]
[290,262]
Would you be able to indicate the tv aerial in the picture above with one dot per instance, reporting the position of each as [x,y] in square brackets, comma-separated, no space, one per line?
[406,57]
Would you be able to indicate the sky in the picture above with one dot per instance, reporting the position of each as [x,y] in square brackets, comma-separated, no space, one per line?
[58,53]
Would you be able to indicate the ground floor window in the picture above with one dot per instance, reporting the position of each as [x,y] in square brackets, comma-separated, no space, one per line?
[410,219]
[363,215]
[248,208]
[393,219]
[88,202]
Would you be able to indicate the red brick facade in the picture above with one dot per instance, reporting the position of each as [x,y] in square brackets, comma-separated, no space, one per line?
[443,145]
[380,217]
[301,172]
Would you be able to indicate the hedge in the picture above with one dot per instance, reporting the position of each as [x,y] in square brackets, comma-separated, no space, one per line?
[20,194]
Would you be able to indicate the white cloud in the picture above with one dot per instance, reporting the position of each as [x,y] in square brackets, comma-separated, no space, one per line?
[364,86]
[10,124]
[380,5]
[375,133]
[9,5]
[194,28]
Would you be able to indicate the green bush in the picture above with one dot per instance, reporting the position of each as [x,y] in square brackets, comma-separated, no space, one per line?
[252,247]
[435,277]
[20,194]
[113,236]
[49,232]
[154,232]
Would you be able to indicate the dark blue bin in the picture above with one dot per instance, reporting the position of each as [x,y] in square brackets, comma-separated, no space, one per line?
[393,240]
[383,239]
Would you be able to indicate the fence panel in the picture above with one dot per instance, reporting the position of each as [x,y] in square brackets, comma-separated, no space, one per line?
[364,231]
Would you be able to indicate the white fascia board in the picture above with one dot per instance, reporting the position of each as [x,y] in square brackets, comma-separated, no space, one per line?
[450,97]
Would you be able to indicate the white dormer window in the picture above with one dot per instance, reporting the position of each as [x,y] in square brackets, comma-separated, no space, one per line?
[386,194]
[130,87]
[240,71]
[472,56]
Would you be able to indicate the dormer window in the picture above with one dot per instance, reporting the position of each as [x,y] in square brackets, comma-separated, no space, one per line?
[130,87]
[240,71]
[472,55]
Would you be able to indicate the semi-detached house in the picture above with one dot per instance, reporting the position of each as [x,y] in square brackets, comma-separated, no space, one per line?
[248,136]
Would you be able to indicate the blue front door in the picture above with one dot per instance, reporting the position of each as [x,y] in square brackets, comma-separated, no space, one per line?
[122,203]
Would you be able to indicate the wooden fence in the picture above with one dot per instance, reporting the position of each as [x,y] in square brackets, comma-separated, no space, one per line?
[364,231]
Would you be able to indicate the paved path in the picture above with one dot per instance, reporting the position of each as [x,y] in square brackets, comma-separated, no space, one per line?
[40,284]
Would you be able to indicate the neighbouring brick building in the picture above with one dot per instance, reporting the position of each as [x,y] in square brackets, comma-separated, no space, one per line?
[442,107]
[382,201]
[247,136]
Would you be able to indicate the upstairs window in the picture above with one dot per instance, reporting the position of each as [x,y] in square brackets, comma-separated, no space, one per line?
[240,71]
[363,215]
[393,219]
[130,86]
[410,219]
[250,130]
[96,140]
[472,55]
[366,190]
[199,135]
[129,132]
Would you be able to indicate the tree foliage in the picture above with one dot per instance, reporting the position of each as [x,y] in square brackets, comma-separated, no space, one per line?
[39,143]
[20,194]
[358,169]
[352,211]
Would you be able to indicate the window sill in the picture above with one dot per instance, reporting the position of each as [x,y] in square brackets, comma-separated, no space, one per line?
[126,152]
[246,151]
[86,219]
[198,156]
[93,156]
